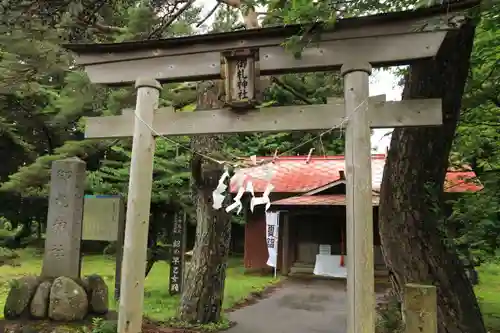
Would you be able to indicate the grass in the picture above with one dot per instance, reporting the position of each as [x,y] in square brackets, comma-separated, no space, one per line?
[488,294]
[158,304]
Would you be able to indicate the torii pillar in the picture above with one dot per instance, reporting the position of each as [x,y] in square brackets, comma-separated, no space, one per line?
[138,208]
[359,210]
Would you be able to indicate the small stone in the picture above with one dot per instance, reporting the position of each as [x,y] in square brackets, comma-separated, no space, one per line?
[84,283]
[40,303]
[67,301]
[64,329]
[30,329]
[19,297]
[97,294]
[13,328]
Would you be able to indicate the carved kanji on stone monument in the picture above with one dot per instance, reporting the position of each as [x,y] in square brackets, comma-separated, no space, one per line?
[64,219]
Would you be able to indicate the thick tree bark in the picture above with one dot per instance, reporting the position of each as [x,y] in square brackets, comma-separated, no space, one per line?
[204,289]
[152,253]
[412,187]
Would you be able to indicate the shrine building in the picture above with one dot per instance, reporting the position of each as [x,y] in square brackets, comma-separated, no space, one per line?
[310,196]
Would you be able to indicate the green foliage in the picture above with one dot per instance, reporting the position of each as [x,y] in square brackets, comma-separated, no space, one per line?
[389,319]
[304,11]
[225,19]
[221,325]
[99,325]
[311,14]
[315,88]
[170,173]
[14,283]
[7,256]
[476,217]
[478,135]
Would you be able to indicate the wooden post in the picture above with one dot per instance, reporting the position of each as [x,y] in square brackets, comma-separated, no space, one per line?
[286,241]
[359,213]
[138,206]
[420,308]
[177,252]
[119,248]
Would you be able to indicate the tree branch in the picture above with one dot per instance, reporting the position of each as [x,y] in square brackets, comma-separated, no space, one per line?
[232,3]
[495,100]
[210,13]
[249,14]
[291,90]
[107,28]
[155,33]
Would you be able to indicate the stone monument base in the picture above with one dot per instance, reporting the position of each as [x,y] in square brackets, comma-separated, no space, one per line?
[60,299]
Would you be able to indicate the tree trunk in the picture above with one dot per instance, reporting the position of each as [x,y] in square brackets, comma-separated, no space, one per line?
[39,231]
[151,259]
[412,187]
[152,253]
[204,289]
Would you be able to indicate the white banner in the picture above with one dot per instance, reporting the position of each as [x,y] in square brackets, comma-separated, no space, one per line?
[272,225]
[330,265]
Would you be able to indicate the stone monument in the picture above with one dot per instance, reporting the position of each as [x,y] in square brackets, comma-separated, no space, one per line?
[64,219]
[60,293]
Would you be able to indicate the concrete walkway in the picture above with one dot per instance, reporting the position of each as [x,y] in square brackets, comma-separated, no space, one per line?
[297,307]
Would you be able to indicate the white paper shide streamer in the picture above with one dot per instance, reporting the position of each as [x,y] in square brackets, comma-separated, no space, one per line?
[237,199]
[264,199]
[217,195]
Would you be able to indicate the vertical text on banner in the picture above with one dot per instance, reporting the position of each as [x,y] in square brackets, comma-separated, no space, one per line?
[272,226]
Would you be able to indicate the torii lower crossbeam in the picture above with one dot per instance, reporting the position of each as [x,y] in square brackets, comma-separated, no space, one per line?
[421,112]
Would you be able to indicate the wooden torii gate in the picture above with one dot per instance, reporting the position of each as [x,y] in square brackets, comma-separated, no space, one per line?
[354,46]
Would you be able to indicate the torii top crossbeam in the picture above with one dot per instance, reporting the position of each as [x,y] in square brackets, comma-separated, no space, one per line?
[382,40]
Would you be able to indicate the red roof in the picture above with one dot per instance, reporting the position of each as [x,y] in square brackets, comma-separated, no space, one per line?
[318,200]
[461,181]
[292,174]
